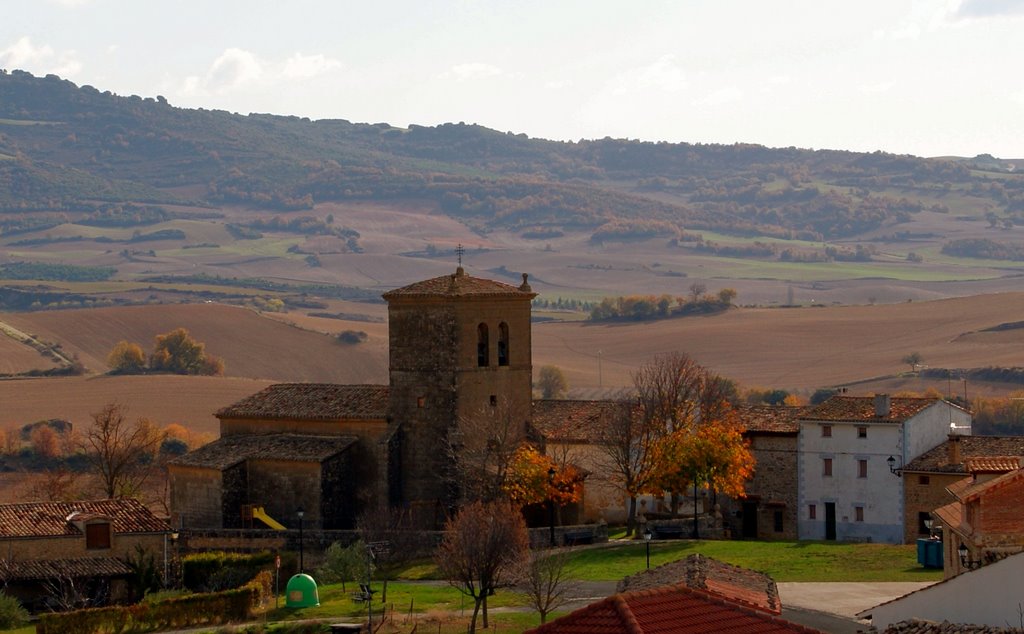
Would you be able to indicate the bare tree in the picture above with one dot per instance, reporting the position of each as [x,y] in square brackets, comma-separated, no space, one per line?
[552,382]
[483,549]
[387,531]
[545,581]
[671,392]
[481,447]
[122,453]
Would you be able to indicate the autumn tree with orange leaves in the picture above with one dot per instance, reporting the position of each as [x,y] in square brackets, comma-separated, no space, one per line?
[712,455]
[533,478]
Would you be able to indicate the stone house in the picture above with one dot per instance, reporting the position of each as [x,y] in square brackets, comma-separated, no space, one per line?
[567,429]
[459,350]
[847,490]
[985,516]
[768,510]
[926,478]
[74,548]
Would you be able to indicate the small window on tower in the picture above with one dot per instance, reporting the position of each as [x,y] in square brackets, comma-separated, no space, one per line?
[494,400]
[502,343]
[421,401]
[482,346]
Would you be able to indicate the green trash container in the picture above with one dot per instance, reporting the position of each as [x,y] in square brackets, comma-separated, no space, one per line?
[301,592]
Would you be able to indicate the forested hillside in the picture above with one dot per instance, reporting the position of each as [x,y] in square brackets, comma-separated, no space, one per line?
[66,149]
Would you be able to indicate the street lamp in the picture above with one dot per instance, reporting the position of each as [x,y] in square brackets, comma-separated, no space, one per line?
[898,472]
[551,503]
[173,535]
[300,513]
[647,541]
[969,564]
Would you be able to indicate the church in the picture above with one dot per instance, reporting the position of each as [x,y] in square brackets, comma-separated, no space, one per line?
[459,349]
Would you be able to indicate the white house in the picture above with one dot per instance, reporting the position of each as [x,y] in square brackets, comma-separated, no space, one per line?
[988,596]
[846,485]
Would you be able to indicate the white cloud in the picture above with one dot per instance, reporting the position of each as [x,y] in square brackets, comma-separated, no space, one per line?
[969,9]
[233,68]
[300,66]
[470,71]
[662,74]
[70,3]
[40,60]
[719,97]
[874,89]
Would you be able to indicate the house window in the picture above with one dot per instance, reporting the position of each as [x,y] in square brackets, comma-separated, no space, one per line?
[826,466]
[97,536]
[502,343]
[862,468]
[858,513]
[777,517]
[482,346]
[826,431]
[494,400]
[812,511]
[923,479]
[862,432]
[421,401]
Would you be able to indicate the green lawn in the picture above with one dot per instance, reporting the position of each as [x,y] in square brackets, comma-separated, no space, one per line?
[783,561]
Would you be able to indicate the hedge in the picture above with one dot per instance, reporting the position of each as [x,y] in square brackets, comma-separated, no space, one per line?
[177,612]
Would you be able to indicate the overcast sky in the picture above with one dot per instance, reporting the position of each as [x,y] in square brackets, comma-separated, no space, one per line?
[931,77]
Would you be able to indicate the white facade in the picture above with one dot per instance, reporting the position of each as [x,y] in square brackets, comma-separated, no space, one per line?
[845,487]
[990,595]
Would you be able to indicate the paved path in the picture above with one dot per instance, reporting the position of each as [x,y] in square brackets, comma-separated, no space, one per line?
[843,599]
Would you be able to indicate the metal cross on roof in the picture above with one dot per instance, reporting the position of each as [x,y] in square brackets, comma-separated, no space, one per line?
[459,250]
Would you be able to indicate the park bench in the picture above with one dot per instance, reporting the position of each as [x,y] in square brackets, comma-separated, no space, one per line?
[667,532]
[574,538]
[365,593]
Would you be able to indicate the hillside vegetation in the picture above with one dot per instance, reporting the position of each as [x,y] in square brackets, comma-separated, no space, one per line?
[76,150]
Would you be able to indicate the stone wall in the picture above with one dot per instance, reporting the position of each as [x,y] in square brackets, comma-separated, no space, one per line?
[196,496]
[122,546]
[772,489]
[924,497]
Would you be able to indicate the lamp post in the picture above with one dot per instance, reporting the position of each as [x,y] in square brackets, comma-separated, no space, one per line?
[300,513]
[647,541]
[173,535]
[551,504]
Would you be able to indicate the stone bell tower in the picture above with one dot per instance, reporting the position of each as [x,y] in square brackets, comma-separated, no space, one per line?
[460,346]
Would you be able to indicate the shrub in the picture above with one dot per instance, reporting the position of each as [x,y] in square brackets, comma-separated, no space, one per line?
[212,571]
[352,336]
[12,615]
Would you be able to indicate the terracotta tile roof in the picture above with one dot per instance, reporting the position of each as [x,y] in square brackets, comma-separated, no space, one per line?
[772,419]
[231,450]
[978,490]
[86,567]
[740,585]
[49,519]
[668,610]
[312,401]
[862,409]
[459,284]
[951,517]
[567,420]
[992,464]
[937,459]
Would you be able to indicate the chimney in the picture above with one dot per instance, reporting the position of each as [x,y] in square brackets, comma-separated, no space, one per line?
[883,405]
[954,449]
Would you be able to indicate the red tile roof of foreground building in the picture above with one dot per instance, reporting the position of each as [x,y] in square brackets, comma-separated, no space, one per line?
[50,519]
[669,610]
[312,401]
[856,409]
[459,284]
[740,585]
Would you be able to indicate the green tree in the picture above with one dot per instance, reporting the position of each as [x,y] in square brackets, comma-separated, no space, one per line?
[12,615]
[343,563]
[126,358]
[913,360]
[552,382]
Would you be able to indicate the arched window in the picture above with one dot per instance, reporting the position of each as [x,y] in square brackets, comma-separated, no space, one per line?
[482,346]
[502,343]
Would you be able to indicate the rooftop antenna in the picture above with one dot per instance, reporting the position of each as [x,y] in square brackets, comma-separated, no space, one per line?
[459,250]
